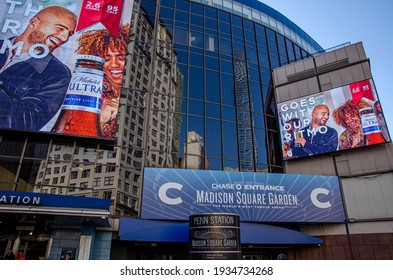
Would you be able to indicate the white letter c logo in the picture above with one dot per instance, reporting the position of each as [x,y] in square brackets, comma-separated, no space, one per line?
[316,202]
[163,196]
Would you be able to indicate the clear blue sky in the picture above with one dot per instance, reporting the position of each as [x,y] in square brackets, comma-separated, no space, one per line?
[333,22]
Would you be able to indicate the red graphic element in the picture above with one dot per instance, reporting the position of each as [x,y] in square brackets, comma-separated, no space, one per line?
[90,13]
[111,15]
[108,12]
[361,89]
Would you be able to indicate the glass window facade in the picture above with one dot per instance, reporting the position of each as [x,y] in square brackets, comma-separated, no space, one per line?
[197,94]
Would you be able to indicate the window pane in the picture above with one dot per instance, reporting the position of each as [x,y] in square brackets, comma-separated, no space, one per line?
[211,24]
[211,43]
[227,92]
[258,120]
[196,39]
[181,17]
[214,164]
[231,165]
[196,60]
[260,145]
[223,16]
[211,63]
[224,27]
[212,86]
[196,83]
[196,20]
[195,124]
[226,67]
[213,110]
[181,36]
[166,13]
[225,47]
[37,149]
[229,113]
[256,97]
[230,140]
[195,108]
[9,167]
[213,138]
[11,146]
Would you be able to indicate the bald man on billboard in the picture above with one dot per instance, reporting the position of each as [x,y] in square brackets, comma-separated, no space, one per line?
[33,82]
[317,137]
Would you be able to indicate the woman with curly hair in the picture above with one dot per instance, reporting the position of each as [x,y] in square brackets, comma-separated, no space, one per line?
[103,44]
[347,116]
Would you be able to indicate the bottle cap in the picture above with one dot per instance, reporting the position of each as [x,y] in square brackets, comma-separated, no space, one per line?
[365,109]
[90,57]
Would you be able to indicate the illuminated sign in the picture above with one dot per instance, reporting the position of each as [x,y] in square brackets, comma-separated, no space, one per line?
[176,194]
[62,64]
[338,119]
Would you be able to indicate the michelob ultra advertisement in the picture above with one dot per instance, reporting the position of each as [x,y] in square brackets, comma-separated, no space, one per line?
[338,119]
[62,65]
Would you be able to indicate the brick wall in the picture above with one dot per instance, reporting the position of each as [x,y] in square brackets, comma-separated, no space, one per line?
[377,246]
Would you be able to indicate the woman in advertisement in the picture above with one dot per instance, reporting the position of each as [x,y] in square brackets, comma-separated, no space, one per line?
[103,44]
[347,116]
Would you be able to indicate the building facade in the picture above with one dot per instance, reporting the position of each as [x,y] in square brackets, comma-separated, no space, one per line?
[197,94]
[365,172]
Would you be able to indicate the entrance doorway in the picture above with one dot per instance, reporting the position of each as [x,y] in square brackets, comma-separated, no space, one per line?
[33,249]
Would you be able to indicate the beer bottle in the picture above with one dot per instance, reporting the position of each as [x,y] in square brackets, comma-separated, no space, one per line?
[287,149]
[371,130]
[80,112]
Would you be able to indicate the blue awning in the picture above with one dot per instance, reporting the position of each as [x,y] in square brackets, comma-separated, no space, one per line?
[152,230]
[250,233]
[253,233]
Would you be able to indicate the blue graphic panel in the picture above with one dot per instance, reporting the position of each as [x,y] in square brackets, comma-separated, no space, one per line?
[175,194]
[52,200]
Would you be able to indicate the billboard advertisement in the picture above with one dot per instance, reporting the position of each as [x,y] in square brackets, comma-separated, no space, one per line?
[62,65]
[338,119]
[176,194]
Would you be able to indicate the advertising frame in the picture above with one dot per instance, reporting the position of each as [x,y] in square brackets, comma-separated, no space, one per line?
[47,52]
[342,118]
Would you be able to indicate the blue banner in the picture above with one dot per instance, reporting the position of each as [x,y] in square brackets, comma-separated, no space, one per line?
[52,200]
[175,194]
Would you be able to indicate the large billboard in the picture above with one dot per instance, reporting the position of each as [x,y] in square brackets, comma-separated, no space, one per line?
[62,65]
[176,194]
[338,119]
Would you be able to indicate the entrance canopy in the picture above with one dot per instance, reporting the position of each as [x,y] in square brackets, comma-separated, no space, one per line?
[250,233]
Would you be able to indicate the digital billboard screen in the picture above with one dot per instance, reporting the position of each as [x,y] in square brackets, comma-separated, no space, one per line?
[62,65]
[342,118]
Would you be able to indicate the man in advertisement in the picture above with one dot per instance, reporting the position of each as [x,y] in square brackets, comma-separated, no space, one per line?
[33,82]
[317,137]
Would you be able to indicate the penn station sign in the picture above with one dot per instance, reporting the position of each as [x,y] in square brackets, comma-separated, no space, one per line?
[255,197]
[214,237]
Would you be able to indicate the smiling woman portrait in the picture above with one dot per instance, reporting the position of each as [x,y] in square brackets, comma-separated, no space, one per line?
[347,116]
[103,44]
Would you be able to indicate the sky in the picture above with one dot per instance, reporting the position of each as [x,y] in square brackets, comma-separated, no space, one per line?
[334,22]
